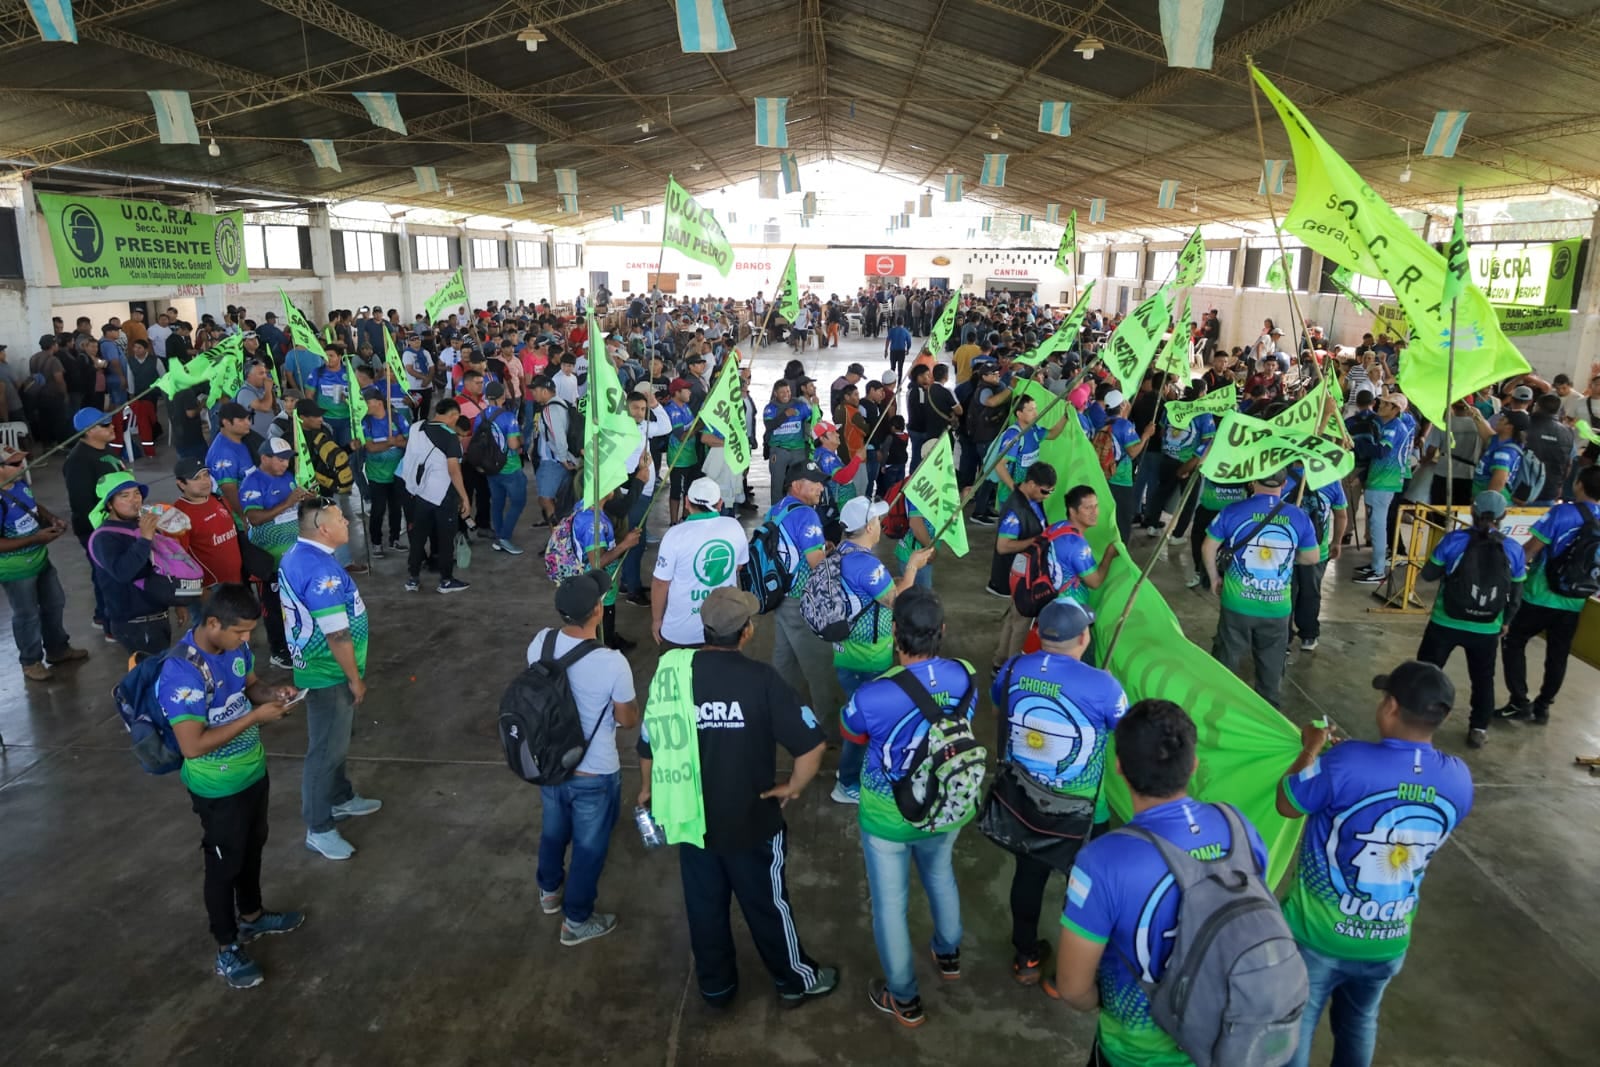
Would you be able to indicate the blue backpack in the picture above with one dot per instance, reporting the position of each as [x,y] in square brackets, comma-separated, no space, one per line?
[153,742]
[766,576]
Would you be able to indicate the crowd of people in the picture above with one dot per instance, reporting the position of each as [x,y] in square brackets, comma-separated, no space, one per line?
[496,398]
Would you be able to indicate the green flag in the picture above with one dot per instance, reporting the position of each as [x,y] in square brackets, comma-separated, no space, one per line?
[1175,351]
[613,435]
[723,411]
[787,298]
[1315,412]
[1069,244]
[693,230]
[356,405]
[451,295]
[932,489]
[205,366]
[1180,413]
[305,475]
[227,377]
[946,323]
[1131,348]
[1065,334]
[1278,272]
[1456,270]
[1344,284]
[676,798]
[1246,448]
[1587,432]
[391,358]
[1245,745]
[1336,213]
[300,332]
[1191,261]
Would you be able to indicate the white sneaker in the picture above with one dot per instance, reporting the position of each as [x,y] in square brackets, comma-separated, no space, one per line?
[1195,581]
[330,844]
[1152,532]
[843,794]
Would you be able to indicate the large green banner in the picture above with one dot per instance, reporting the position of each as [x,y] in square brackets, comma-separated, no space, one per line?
[451,295]
[1245,744]
[138,242]
[1131,348]
[694,230]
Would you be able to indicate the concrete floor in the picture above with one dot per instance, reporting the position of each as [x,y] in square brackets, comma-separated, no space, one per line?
[428,948]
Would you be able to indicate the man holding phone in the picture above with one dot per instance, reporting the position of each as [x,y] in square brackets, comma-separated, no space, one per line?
[209,692]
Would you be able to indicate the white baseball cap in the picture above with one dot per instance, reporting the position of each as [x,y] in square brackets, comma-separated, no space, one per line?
[1114,400]
[705,492]
[859,511]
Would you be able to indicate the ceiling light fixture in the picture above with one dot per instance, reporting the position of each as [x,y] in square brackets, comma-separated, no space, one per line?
[644,125]
[1089,46]
[532,38]
[213,149]
[995,131]
[1405,175]
[449,189]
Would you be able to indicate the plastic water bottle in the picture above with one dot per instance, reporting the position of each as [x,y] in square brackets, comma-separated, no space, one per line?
[650,831]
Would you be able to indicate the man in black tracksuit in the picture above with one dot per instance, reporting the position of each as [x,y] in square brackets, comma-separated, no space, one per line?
[88,461]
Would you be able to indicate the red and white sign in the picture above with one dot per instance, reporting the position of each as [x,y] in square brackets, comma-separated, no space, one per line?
[885,266]
[1009,272]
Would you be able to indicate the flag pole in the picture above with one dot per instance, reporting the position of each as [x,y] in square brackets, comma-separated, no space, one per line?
[594,447]
[759,340]
[1166,535]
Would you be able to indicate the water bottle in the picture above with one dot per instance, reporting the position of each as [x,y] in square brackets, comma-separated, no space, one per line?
[650,831]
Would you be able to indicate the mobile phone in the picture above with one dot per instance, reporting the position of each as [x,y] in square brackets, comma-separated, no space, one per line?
[297,698]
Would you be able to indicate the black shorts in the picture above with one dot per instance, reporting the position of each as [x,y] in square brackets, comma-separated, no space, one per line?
[680,480]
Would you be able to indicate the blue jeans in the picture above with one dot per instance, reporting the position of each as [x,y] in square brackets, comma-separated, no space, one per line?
[330,712]
[889,880]
[1355,987]
[1378,504]
[581,812]
[924,578]
[508,495]
[36,607]
[1146,484]
[852,754]
[632,579]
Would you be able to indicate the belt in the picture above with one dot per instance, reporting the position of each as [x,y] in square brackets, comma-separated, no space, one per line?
[150,618]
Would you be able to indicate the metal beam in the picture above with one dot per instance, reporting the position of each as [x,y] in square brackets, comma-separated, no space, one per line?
[819,47]
[18,29]
[1517,25]
[911,83]
[332,18]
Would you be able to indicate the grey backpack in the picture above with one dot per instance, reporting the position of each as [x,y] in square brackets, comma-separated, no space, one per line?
[1235,985]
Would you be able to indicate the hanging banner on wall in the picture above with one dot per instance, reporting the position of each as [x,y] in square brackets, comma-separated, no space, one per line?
[99,242]
[1537,274]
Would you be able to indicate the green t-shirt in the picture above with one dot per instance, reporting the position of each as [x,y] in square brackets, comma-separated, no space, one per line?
[17,519]
[1258,578]
[381,466]
[181,692]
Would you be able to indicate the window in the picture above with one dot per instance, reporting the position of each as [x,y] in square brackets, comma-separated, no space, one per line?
[364,252]
[1258,261]
[1160,266]
[486,253]
[568,255]
[531,254]
[273,248]
[1124,264]
[1092,265]
[1219,269]
[432,253]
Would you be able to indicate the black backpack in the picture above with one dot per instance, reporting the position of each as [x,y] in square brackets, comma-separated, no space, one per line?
[484,450]
[766,576]
[1576,571]
[984,422]
[540,728]
[1479,586]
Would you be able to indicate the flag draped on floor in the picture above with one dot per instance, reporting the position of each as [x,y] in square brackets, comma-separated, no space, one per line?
[1245,745]
[1337,214]
[451,294]
[932,489]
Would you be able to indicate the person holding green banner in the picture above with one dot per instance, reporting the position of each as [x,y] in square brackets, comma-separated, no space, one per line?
[742,844]
[1256,544]
[1126,446]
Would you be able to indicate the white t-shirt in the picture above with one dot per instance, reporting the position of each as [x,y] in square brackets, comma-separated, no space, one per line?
[637,454]
[702,553]
[567,387]
[598,680]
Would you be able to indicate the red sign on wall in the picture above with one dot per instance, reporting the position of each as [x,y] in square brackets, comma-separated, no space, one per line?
[885,265]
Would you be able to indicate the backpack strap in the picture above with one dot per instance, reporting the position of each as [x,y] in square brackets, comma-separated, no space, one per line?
[912,687]
[1005,705]
[565,662]
[192,656]
[1255,531]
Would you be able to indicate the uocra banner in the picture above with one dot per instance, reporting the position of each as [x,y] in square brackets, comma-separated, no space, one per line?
[101,242]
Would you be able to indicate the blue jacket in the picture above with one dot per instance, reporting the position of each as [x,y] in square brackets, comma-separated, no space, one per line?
[119,561]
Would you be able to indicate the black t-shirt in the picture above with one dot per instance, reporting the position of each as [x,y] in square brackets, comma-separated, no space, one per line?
[745,710]
[1552,443]
[186,431]
[941,404]
[1144,409]
[917,416]
[82,469]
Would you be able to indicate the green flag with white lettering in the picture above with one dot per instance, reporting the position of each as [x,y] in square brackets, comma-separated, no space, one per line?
[1069,244]
[933,490]
[451,295]
[1130,350]
[1337,214]
[723,411]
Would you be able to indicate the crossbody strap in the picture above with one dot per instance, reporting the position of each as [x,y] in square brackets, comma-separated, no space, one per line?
[565,662]
[1255,531]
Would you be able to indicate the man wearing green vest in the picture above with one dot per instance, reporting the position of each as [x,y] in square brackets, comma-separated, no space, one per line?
[719,799]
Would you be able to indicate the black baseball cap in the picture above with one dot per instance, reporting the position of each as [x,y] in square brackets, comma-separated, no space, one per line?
[1422,689]
[188,468]
[308,408]
[807,472]
[577,597]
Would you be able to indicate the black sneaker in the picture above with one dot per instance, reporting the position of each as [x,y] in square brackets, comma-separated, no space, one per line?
[984,520]
[641,598]
[1371,578]
[1477,737]
[620,643]
[949,964]
[1514,709]
[907,1013]
[453,585]
[1027,968]
[394,545]
[826,981]
[1539,714]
